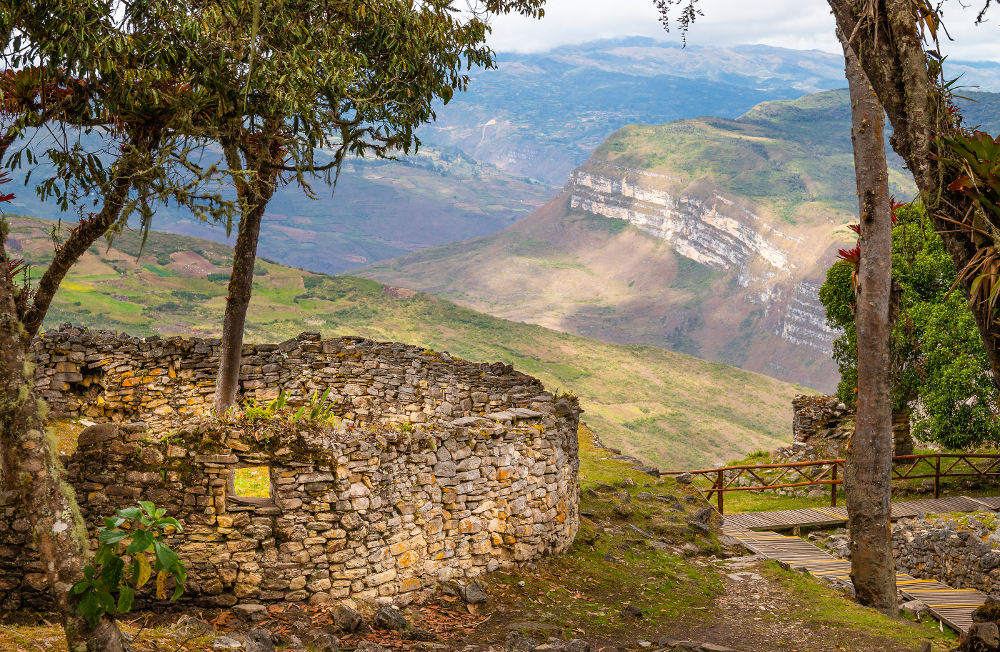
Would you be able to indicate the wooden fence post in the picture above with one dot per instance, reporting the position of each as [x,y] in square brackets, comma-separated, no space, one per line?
[937,476]
[719,483]
[833,487]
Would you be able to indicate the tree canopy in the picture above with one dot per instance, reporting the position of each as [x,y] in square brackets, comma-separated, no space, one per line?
[940,371]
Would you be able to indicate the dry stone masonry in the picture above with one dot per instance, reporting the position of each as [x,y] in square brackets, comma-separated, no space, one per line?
[822,426]
[440,470]
[962,552]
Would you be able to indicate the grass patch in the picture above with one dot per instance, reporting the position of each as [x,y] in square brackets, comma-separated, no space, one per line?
[820,606]
[252,482]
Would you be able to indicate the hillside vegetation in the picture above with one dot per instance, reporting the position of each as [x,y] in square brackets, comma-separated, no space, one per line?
[665,407]
[789,162]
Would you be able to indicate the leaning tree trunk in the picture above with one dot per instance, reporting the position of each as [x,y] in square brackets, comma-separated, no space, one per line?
[253,195]
[31,467]
[29,459]
[868,467]
[885,37]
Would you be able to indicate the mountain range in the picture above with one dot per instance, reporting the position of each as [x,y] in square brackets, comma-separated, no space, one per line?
[579,189]
[709,236]
[501,150]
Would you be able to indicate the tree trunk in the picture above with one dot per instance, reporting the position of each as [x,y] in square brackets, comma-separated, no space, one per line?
[29,459]
[237,303]
[31,467]
[868,466]
[253,196]
[891,53]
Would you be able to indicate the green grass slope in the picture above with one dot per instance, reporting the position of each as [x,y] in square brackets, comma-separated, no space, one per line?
[790,162]
[671,409]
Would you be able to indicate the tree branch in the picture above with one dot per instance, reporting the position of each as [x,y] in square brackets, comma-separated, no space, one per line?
[80,239]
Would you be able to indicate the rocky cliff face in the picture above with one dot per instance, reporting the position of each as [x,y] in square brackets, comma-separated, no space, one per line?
[704,226]
[714,231]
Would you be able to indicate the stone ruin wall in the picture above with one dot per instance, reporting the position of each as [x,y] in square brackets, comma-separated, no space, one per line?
[108,376]
[373,511]
[822,426]
[963,555]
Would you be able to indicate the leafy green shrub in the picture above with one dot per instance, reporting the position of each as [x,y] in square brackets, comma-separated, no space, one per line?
[219,276]
[145,526]
[940,372]
[319,410]
[313,282]
[187,295]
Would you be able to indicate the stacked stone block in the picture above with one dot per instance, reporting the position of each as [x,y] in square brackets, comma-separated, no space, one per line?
[105,375]
[441,469]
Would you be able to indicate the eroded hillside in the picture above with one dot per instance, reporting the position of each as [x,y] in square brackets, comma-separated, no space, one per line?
[708,236]
[661,406]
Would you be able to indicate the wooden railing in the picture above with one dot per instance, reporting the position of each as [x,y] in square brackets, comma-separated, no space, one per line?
[830,472]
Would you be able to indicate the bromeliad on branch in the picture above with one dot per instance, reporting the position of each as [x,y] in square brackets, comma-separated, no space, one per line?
[852,256]
[976,158]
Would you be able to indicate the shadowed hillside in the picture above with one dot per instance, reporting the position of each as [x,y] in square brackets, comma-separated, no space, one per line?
[668,408]
[709,236]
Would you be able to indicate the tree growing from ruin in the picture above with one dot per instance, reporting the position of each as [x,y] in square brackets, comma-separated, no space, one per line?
[302,85]
[72,66]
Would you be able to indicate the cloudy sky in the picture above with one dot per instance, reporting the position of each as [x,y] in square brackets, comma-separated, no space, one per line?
[800,24]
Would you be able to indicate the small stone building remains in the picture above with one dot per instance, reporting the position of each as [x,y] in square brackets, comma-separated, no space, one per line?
[963,552]
[823,425]
[440,470]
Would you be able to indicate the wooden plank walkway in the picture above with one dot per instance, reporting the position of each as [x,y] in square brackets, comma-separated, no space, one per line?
[786,519]
[756,532]
[954,607]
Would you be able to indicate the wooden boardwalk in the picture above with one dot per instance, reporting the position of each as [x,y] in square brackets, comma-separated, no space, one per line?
[787,519]
[756,532]
[954,607]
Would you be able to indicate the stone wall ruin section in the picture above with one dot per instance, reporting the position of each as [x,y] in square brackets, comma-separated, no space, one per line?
[485,477]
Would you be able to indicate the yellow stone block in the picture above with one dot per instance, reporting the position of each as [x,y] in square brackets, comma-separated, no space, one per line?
[407,559]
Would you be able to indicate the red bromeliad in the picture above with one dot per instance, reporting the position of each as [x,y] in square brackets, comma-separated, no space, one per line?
[5,178]
[852,256]
[14,265]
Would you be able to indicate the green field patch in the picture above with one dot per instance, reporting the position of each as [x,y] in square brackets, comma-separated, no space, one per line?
[162,272]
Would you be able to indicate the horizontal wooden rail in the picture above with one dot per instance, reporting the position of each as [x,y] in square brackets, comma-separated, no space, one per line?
[797,474]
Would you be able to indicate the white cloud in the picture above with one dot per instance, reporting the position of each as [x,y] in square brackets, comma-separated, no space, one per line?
[785,23]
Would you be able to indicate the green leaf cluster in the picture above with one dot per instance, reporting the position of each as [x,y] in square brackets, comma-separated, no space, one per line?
[975,157]
[318,410]
[940,371]
[122,563]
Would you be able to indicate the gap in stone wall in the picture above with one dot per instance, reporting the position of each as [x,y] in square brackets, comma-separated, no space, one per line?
[251,482]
